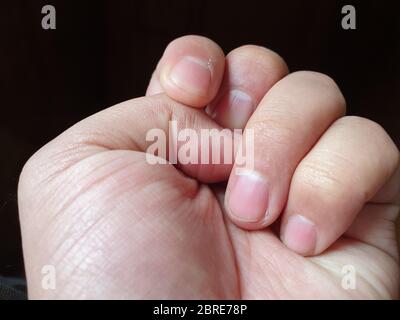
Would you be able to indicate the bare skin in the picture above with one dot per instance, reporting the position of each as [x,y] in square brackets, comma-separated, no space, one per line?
[324,193]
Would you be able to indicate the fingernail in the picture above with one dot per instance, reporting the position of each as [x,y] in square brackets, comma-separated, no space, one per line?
[234,109]
[248,199]
[300,235]
[191,74]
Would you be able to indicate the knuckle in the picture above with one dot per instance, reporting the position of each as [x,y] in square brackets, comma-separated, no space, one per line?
[28,180]
[317,77]
[26,172]
[319,178]
[259,56]
[364,125]
[192,38]
[376,136]
[272,130]
[361,122]
[31,170]
[250,50]
[322,88]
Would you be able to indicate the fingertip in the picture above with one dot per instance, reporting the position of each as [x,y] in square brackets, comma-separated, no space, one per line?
[246,200]
[191,70]
[250,72]
[299,234]
[188,80]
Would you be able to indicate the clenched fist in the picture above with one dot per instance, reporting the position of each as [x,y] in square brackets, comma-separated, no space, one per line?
[322,193]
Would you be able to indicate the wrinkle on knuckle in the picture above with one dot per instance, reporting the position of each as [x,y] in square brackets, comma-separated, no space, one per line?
[40,173]
[322,86]
[362,125]
[380,147]
[268,133]
[274,128]
[322,178]
[316,77]
[262,59]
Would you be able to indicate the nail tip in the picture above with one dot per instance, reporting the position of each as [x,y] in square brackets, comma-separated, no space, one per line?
[300,235]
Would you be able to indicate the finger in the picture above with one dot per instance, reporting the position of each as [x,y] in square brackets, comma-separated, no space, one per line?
[190,71]
[342,172]
[390,192]
[286,124]
[149,124]
[375,225]
[250,71]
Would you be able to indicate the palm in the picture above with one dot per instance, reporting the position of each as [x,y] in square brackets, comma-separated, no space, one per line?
[154,233]
[271,271]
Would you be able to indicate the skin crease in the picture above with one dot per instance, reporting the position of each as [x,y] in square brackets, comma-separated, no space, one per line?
[116,227]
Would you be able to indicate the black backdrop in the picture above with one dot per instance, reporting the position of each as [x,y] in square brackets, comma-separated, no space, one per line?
[104,52]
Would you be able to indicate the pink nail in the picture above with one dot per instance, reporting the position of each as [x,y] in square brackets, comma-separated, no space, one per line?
[191,74]
[300,235]
[248,199]
[234,109]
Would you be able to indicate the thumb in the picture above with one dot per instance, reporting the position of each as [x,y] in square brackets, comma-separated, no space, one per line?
[156,124]
[190,71]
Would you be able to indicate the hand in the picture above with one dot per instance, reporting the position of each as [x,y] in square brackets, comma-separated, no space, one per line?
[323,194]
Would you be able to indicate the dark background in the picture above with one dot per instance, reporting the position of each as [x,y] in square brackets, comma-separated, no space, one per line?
[104,52]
